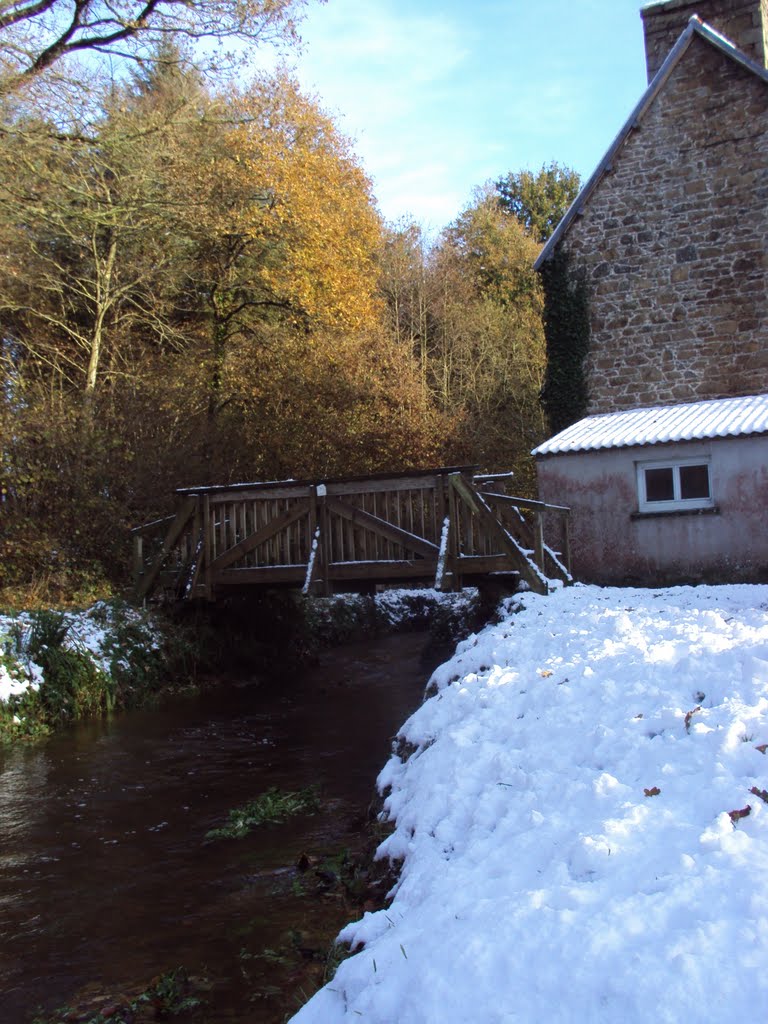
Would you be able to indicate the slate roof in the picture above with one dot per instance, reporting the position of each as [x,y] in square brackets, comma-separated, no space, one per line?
[695,27]
[694,421]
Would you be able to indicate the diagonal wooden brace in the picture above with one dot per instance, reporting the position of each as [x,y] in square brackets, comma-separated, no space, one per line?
[274,526]
[174,532]
[479,507]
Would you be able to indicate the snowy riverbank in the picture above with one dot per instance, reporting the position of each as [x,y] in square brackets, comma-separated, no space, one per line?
[57,666]
[583,822]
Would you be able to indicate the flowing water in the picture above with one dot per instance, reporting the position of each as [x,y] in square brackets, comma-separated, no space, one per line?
[106,879]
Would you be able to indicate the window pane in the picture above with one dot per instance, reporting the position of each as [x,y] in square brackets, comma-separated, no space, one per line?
[659,484]
[694,481]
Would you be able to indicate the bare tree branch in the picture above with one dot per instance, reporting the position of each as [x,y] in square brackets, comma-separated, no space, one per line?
[36,34]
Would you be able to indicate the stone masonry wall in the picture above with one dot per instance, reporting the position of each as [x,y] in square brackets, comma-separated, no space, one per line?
[674,241]
[742,22]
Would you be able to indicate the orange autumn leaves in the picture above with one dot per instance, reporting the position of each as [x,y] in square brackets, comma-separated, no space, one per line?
[284,181]
[195,292]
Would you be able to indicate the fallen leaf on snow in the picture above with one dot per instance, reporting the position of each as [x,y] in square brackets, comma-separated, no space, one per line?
[689,716]
[737,815]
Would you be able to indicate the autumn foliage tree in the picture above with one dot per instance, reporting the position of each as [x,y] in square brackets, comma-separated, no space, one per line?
[188,294]
[470,306]
[196,287]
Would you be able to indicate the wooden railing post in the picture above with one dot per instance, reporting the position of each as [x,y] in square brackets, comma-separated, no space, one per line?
[311,521]
[207,547]
[442,514]
[538,540]
[454,546]
[325,540]
[567,541]
[197,520]
[313,544]
[442,554]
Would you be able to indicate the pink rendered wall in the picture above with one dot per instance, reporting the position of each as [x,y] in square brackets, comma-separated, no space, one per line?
[610,543]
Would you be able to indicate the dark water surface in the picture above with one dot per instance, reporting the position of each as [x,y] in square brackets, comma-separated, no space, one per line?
[105,878]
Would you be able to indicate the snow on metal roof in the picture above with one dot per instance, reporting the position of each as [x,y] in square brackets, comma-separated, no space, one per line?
[696,421]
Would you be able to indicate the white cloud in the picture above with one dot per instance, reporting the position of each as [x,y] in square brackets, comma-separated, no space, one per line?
[389,77]
[440,96]
[372,59]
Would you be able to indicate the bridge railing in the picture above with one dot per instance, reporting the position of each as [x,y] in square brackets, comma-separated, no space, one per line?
[439,526]
[529,521]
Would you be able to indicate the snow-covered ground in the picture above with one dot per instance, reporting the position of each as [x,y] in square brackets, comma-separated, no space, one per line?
[583,824]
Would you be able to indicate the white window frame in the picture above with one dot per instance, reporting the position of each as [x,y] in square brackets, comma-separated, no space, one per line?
[677,504]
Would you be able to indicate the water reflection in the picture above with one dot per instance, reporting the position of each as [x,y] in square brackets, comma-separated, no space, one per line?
[104,872]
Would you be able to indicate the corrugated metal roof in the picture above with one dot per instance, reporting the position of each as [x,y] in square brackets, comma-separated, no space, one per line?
[696,421]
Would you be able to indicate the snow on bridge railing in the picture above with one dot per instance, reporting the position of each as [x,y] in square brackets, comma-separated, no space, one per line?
[440,526]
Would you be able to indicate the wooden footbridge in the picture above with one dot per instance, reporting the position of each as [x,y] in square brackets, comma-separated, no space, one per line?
[444,528]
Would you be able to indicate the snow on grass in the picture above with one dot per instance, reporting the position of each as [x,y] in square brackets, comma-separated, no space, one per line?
[582,823]
[56,666]
[398,606]
[91,632]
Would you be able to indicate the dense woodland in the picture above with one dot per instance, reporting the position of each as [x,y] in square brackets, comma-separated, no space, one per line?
[196,287]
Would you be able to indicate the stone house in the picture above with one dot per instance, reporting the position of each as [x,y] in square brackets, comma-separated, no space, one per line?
[664,257]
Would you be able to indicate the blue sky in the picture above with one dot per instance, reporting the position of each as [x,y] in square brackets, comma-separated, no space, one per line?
[439,97]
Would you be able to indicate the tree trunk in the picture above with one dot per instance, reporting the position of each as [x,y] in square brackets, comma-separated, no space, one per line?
[104,270]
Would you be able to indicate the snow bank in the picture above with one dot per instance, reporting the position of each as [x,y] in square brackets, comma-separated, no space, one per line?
[582,828]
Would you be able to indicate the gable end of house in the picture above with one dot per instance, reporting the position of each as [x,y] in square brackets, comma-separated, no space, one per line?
[695,27]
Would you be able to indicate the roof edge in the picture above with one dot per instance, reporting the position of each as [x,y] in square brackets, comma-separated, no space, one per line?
[694,27]
[624,445]
[653,425]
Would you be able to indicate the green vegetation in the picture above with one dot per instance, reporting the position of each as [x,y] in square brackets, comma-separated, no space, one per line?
[56,667]
[271,808]
[539,201]
[60,667]
[167,996]
[566,325]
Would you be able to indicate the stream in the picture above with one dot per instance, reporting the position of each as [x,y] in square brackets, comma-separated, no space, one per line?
[107,881]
